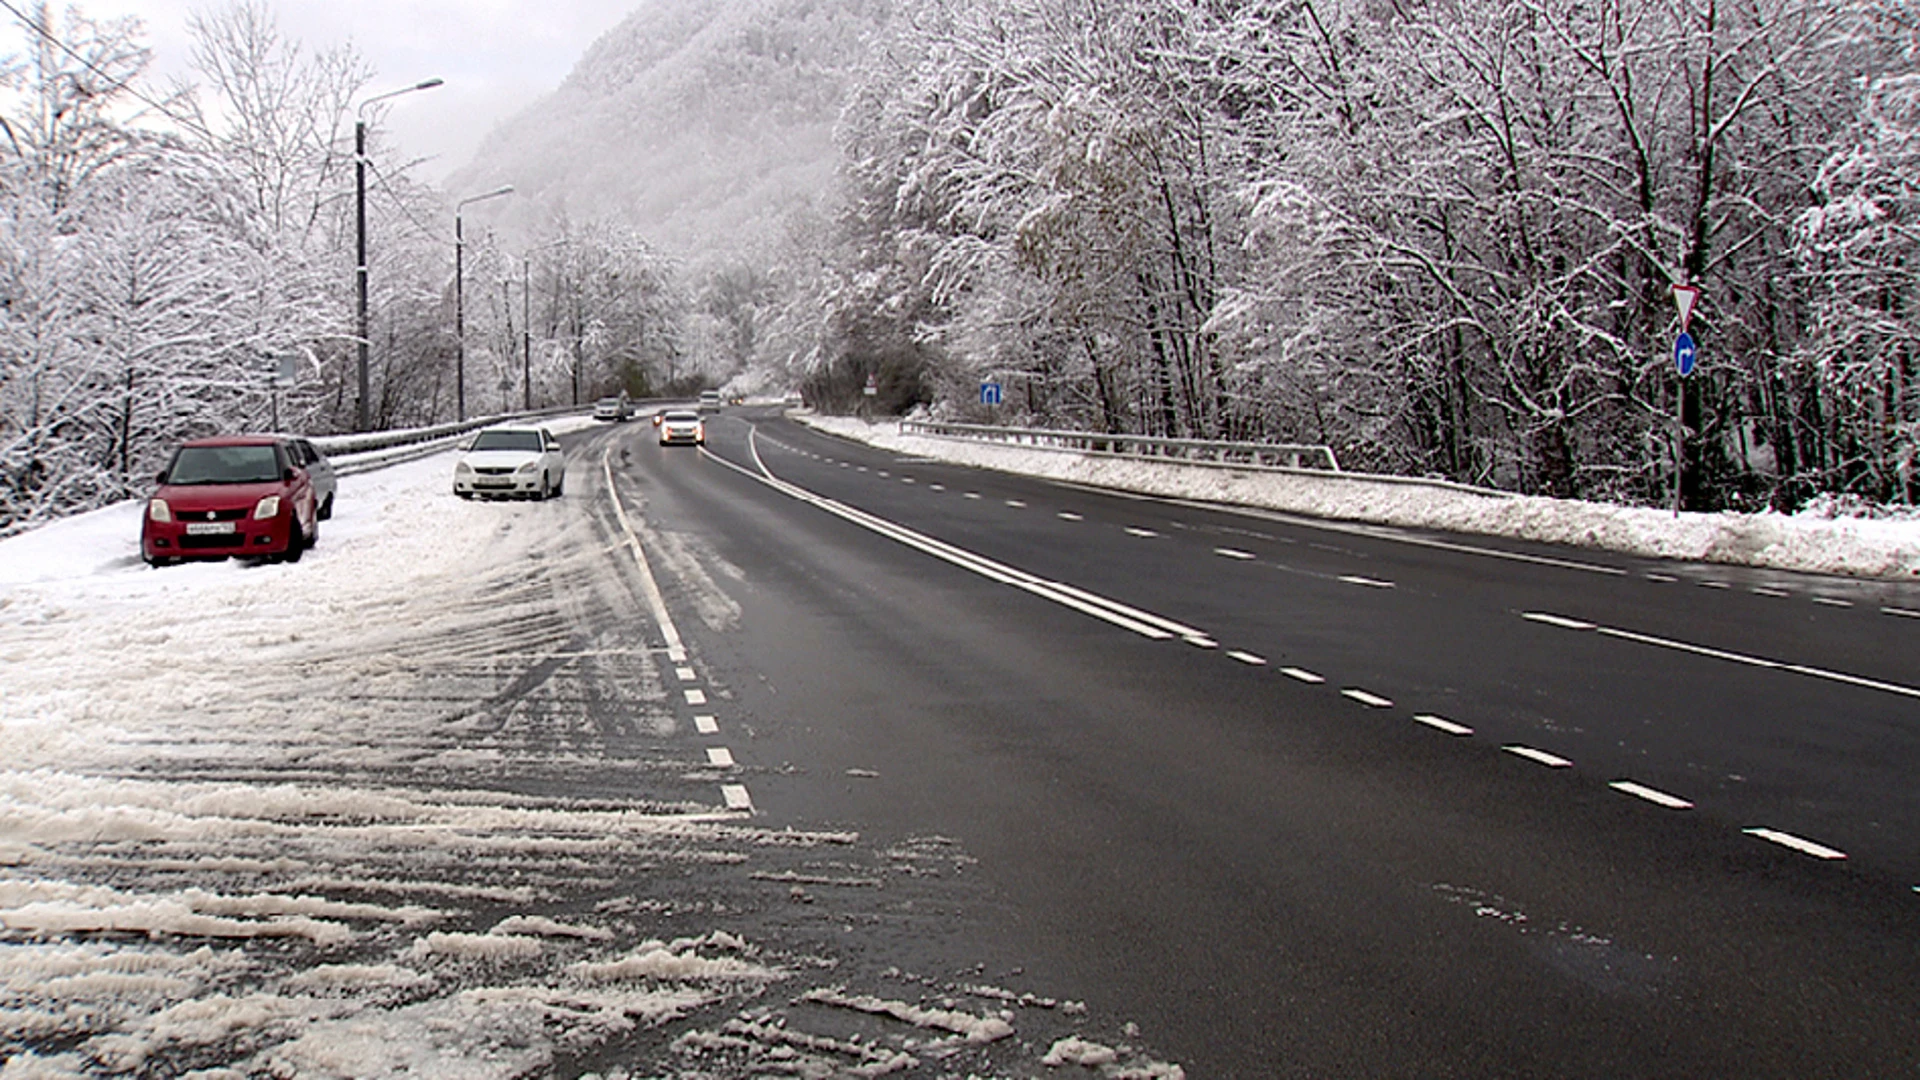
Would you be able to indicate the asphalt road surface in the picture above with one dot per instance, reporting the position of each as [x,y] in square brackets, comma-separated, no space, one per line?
[1304,799]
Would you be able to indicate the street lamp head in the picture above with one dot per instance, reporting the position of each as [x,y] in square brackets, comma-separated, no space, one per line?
[426,85]
[506,189]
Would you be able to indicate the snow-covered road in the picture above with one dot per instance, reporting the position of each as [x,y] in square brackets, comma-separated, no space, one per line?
[421,805]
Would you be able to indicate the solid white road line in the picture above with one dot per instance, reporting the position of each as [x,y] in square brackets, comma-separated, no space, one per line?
[1804,846]
[1723,654]
[1551,761]
[655,601]
[721,756]
[1652,795]
[706,725]
[1441,723]
[1302,674]
[736,796]
[1234,553]
[695,697]
[1365,698]
[1119,614]
[1371,583]
[1248,658]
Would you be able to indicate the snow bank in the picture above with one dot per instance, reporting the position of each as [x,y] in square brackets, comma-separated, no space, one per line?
[1804,542]
[973,1029]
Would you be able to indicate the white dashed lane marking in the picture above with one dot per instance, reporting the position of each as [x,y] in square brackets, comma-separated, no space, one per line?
[1234,553]
[685,674]
[1716,585]
[696,697]
[1768,590]
[1068,515]
[1551,761]
[706,725]
[1652,795]
[1904,613]
[1303,675]
[1368,699]
[1799,844]
[1371,583]
[736,796]
[972,495]
[1016,504]
[1248,658]
[1441,723]
[1664,579]
[1147,533]
[937,487]
[721,756]
[1832,601]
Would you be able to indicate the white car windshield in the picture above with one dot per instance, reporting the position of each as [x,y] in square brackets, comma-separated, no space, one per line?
[508,440]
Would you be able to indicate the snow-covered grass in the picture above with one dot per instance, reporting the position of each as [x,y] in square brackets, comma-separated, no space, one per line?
[1804,542]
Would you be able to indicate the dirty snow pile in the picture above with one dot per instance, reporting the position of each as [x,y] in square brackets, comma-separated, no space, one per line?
[1804,542]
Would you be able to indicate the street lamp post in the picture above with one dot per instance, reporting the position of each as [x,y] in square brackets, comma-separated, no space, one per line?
[360,233]
[526,321]
[459,297]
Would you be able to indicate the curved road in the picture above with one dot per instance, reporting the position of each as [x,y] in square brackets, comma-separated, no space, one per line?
[1304,799]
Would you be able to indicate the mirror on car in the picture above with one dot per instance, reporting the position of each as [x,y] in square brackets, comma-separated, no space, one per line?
[160,477]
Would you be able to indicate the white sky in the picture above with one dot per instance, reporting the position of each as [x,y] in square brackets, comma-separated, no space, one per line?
[497,56]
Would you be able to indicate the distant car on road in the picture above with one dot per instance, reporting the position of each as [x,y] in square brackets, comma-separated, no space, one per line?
[236,495]
[511,462]
[709,401]
[616,409]
[682,426]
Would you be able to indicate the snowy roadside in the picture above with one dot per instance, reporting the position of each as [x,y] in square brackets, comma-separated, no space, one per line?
[1805,543]
[422,804]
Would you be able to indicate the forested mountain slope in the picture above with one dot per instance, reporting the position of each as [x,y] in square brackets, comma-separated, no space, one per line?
[701,123]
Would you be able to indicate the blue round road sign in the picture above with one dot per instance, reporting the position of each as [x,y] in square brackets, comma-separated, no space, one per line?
[1684,353]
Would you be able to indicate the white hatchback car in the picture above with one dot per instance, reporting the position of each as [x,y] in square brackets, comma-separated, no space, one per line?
[501,462]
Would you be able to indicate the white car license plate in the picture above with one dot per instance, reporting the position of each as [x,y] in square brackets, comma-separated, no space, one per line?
[209,528]
[492,483]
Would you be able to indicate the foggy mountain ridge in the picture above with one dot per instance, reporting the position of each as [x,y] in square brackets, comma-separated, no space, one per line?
[702,123]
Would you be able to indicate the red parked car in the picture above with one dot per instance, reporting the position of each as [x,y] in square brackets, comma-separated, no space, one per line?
[245,495]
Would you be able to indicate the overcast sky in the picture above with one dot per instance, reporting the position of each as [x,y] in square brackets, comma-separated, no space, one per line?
[497,56]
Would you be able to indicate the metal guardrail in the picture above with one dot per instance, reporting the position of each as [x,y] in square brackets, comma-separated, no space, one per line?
[364,451]
[1258,455]
[1200,453]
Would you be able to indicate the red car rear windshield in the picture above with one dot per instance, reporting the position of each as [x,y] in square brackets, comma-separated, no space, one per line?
[224,465]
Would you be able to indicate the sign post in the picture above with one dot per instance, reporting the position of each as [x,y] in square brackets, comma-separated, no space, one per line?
[1686,355]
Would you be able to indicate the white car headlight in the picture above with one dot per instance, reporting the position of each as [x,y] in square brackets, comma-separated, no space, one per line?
[266,508]
[531,466]
[158,510]
[461,468]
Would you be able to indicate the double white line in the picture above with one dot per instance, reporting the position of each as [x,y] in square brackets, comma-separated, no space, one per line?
[1144,623]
